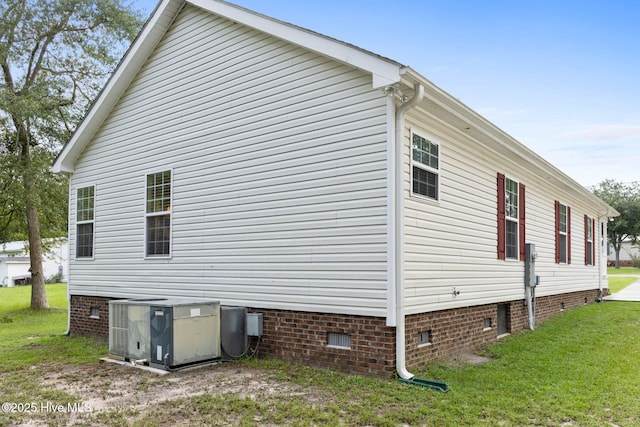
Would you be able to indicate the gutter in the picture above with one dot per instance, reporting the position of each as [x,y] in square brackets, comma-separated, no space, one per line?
[398,232]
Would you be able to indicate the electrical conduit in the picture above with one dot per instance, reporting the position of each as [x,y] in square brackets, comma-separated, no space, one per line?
[530,300]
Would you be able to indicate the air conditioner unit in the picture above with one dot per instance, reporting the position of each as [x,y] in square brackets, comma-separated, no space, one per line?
[129,329]
[164,333]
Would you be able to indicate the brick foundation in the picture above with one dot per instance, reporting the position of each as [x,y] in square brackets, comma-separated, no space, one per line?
[81,321]
[463,329]
[302,337]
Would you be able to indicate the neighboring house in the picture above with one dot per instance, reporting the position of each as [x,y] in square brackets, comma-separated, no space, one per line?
[15,264]
[375,220]
[628,252]
[14,270]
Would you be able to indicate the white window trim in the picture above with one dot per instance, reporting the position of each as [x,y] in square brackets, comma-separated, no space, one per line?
[564,233]
[147,215]
[590,239]
[420,165]
[512,219]
[93,221]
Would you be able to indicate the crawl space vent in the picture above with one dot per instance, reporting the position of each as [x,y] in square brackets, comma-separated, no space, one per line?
[337,339]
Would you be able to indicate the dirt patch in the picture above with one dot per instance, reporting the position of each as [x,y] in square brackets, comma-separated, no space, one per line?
[108,387]
[469,359]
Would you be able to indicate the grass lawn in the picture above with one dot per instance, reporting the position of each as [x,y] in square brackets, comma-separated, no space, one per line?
[580,369]
[616,284]
[623,270]
[617,281]
[26,335]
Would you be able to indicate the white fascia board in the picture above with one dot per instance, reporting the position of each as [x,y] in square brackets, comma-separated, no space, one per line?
[501,142]
[118,83]
[384,71]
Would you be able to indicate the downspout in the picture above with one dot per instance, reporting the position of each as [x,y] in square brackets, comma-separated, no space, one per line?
[68,331]
[530,280]
[399,232]
[603,254]
[530,301]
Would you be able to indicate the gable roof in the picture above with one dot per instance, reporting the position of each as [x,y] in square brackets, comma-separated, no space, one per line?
[384,71]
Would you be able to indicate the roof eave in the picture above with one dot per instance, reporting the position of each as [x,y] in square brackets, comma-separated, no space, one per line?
[384,71]
[118,82]
[504,143]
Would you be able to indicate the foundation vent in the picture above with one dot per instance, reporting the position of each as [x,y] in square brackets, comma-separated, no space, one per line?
[337,339]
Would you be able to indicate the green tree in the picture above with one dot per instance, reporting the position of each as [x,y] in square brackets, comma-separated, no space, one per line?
[52,196]
[54,57]
[625,198]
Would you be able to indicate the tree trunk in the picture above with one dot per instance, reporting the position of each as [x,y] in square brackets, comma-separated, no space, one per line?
[38,290]
[617,245]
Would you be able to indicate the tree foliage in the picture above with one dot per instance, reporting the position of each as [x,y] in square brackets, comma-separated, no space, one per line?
[625,198]
[51,197]
[54,57]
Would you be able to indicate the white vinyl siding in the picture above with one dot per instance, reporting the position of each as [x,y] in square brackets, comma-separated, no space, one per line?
[452,244]
[279,187]
[278,160]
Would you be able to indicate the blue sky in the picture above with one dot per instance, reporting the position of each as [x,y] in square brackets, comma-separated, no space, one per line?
[560,76]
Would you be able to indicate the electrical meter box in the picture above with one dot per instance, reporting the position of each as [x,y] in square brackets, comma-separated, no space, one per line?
[530,278]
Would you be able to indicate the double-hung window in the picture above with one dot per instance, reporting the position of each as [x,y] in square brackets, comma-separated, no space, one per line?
[85,215]
[511,218]
[563,233]
[589,247]
[158,215]
[425,167]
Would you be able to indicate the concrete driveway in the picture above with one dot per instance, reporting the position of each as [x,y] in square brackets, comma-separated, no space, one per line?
[630,293]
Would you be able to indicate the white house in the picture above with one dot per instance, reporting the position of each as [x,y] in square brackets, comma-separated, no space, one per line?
[15,263]
[14,270]
[628,252]
[375,220]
